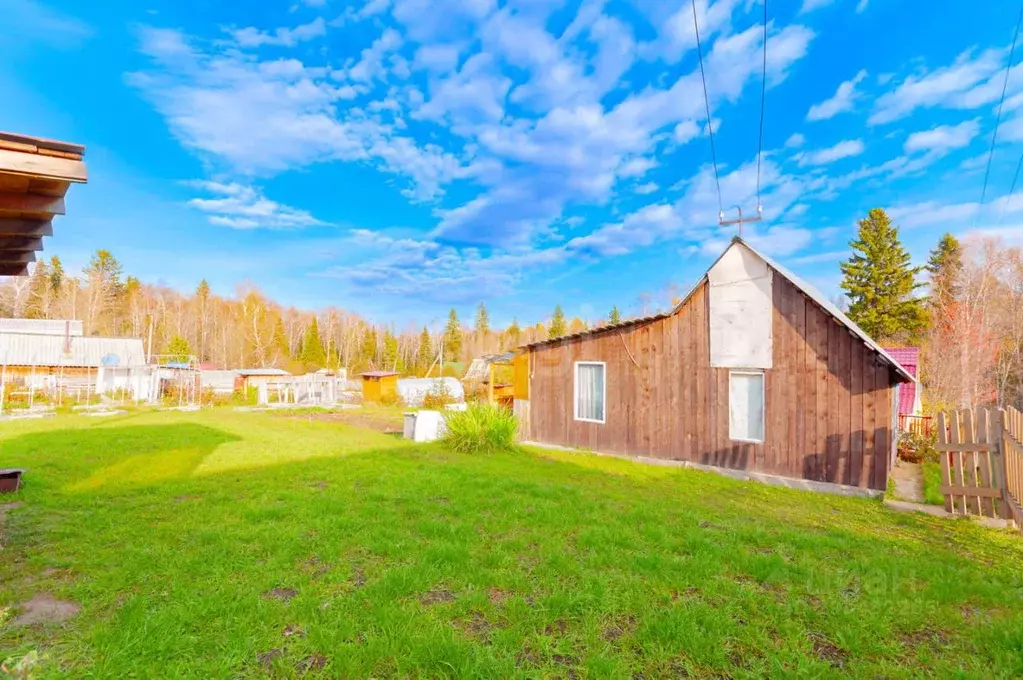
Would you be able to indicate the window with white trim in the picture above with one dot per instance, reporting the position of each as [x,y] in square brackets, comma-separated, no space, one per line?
[746,406]
[590,391]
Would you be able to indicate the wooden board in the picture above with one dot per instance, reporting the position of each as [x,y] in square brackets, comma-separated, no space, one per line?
[31,203]
[36,165]
[14,226]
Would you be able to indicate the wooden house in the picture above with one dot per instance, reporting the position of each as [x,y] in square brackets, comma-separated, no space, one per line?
[379,386]
[754,370]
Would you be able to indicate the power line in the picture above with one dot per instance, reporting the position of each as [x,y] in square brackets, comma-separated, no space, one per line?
[998,116]
[1012,190]
[763,97]
[706,101]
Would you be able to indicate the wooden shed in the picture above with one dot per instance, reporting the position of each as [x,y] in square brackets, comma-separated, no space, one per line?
[379,386]
[35,175]
[754,370]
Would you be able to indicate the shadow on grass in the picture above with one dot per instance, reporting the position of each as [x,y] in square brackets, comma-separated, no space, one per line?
[85,459]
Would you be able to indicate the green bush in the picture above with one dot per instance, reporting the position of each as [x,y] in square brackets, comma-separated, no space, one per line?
[916,448]
[481,428]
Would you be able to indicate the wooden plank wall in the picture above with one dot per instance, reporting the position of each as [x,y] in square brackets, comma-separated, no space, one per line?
[829,400]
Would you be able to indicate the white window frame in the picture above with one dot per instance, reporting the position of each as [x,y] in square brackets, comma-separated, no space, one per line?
[575,391]
[763,400]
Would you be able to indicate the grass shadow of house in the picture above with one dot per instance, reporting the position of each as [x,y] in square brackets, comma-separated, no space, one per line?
[86,459]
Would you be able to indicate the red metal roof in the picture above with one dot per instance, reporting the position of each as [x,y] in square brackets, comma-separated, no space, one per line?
[909,357]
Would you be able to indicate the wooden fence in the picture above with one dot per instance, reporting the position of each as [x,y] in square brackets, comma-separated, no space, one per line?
[920,425]
[982,462]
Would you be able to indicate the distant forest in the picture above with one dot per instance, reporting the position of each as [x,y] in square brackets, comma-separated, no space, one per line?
[251,330]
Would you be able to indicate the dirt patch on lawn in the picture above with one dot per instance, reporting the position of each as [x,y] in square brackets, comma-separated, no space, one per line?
[4,509]
[437,596]
[618,627]
[826,650]
[44,608]
[476,626]
[313,662]
[498,596]
[371,421]
[280,594]
[267,658]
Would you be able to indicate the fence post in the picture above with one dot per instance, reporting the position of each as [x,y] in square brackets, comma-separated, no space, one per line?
[946,473]
[1004,424]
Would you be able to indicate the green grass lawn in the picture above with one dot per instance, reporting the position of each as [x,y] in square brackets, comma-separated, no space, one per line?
[932,482]
[226,544]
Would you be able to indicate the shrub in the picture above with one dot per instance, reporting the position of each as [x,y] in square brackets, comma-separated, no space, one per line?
[438,396]
[915,448]
[480,428]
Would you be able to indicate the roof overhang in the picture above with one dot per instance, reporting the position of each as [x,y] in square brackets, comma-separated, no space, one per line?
[35,175]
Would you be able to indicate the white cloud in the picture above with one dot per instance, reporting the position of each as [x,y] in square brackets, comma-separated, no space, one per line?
[971,81]
[931,213]
[686,131]
[943,138]
[437,58]
[647,188]
[282,37]
[674,23]
[244,207]
[1012,130]
[636,167]
[843,100]
[262,117]
[844,149]
[810,5]
[370,65]
[32,19]
[795,141]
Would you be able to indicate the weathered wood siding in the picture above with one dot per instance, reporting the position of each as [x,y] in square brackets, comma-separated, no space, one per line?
[829,399]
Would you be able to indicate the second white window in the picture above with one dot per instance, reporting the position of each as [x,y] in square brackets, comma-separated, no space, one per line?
[746,406]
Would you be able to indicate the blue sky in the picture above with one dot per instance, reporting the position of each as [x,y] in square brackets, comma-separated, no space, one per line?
[399,157]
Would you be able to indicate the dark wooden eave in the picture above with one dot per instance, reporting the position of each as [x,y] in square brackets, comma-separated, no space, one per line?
[35,175]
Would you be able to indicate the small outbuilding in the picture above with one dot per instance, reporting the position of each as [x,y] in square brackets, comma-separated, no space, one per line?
[754,370]
[379,386]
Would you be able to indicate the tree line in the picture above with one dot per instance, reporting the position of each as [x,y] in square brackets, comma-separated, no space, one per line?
[963,308]
[250,330]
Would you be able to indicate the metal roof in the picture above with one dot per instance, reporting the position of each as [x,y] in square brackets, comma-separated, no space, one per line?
[377,374]
[815,295]
[260,371]
[59,327]
[35,349]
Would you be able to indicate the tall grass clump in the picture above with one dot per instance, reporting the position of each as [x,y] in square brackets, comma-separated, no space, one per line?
[481,428]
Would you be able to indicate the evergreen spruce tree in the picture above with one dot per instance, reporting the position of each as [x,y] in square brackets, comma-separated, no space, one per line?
[313,355]
[38,291]
[482,321]
[615,317]
[178,350]
[514,333]
[424,357]
[57,275]
[452,338]
[280,340]
[557,327]
[880,283]
[389,357]
[368,352]
[944,266]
